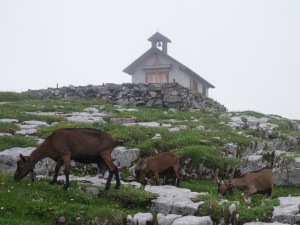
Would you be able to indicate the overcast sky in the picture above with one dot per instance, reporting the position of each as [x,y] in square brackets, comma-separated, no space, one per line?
[248,49]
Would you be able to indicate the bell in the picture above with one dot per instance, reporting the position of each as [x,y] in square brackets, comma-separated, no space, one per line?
[159,44]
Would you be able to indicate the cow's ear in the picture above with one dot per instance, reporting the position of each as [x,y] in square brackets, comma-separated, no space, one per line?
[22,157]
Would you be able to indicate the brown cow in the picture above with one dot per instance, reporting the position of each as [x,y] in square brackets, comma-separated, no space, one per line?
[82,145]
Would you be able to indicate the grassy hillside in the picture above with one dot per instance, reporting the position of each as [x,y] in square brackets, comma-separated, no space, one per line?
[32,203]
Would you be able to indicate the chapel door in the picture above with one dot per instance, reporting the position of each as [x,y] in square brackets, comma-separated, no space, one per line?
[157,77]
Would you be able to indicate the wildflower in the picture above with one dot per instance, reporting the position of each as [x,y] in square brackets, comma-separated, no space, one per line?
[8,191]
[2,207]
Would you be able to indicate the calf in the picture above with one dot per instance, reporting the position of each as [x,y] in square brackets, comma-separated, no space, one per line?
[160,163]
[256,182]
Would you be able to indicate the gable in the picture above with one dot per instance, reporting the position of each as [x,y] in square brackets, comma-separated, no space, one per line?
[162,61]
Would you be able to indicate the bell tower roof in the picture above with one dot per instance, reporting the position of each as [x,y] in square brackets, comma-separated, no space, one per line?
[159,40]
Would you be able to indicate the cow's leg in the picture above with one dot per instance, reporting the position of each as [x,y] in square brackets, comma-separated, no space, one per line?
[117,176]
[108,182]
[56,170]
[32,175]
[269,193]
[157,178]
[67,171]
[176,168]
[102,167]
[267,196]
[113,170]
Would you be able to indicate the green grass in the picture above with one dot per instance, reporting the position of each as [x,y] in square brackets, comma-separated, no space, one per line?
[248,213]
[7,142]
[14,96]
[14,111]
[6,127]
[38,206]
[209,157]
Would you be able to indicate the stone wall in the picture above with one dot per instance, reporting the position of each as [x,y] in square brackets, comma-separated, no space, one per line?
[169,95]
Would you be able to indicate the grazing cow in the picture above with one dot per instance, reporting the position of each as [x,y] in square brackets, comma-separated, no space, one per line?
[159,164]
[256,182]
[82,145]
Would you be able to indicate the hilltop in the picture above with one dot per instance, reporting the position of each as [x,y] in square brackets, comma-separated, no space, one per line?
[205,138]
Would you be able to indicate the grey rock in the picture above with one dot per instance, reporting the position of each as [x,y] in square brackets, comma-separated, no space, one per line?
[236,122]
[193,220]
[5,134]
[122,120]
[253,162]
[84,117]
[169,95]
[174,129]
[287,173]
[26,132]
[200,127]
[287,211]
[129,220]
[123,157]
[144,124]
[167,219]
[9,120]
[173,200]
[36,124]
[143,218]
[156,137]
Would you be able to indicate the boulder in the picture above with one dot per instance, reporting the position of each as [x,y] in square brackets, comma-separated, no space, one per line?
[123,157]
[287,173]
[287,211]
[167,219]
[173,200]
[193,220]
[143,219]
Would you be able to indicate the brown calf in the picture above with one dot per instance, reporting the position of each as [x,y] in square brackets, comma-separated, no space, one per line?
[256,182]
[160,163]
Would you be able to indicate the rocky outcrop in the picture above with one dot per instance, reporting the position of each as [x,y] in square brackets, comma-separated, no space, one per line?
[173,200]
[288,210]
[168,95]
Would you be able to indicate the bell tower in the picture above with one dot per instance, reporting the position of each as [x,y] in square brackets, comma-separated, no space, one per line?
[160,41]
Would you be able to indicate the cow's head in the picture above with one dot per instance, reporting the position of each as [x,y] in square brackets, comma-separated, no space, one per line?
[223,185]
[24,166]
